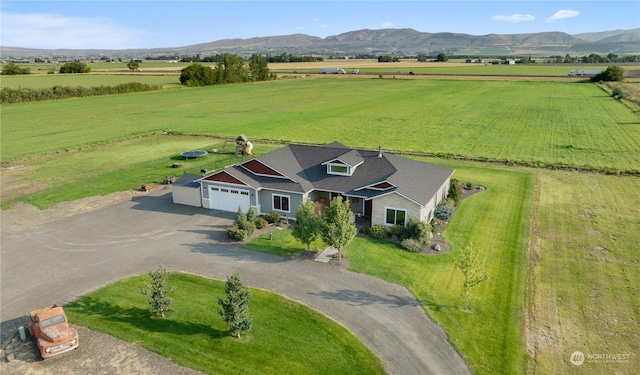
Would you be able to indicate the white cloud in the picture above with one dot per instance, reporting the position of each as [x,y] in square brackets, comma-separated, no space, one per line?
[51,31]
[514,18]
[386,25]
[563,14]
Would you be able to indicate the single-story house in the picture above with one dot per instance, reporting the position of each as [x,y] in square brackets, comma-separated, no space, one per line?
[386,188]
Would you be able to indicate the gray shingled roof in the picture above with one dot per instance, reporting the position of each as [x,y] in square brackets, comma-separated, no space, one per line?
[303,164]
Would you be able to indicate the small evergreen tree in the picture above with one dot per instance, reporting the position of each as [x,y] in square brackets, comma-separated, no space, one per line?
[251,215]
[467,263]
[160,302]
[307,226]
[235,306]
[454,192]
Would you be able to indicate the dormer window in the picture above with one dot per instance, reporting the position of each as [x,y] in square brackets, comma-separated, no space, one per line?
[339,169]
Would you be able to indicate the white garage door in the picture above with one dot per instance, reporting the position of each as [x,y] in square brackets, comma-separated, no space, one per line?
[226,199]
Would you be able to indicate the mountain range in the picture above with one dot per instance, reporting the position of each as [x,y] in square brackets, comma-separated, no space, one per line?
[401,42]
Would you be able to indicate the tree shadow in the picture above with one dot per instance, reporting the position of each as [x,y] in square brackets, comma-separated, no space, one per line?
[362,298]
[140,318]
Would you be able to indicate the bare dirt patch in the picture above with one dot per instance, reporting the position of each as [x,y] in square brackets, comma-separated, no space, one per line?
[15,182]
[98,353]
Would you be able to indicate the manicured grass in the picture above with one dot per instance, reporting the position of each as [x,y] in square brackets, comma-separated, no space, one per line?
[286,337]
[546,122]
[585,291]
[496,223]
[282,243]
[108,168]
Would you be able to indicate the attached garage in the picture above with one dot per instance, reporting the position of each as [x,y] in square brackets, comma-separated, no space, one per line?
[229,199]
[186,190]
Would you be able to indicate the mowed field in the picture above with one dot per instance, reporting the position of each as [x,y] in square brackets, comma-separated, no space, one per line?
[577,292]
[537,122]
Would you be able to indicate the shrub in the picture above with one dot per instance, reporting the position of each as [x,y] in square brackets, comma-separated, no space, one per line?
[236,233]
[249,227]
[434,226]
[444,212]
[418,231]
[454,192]
[365,230]
[619,93]
[411,245]
[470,186]
[251,215]
[399,231]
[273,217]
[378,232]
[261,223]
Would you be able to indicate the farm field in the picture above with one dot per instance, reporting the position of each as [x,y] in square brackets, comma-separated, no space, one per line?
[89,80]
[571,124]
[579,290]
[585,273]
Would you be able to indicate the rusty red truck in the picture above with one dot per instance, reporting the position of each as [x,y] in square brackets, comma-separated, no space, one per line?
[51,331]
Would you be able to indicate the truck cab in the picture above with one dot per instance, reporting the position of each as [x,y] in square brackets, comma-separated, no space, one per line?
[51,331]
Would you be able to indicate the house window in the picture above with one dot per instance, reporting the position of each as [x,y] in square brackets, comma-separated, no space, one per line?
[281,203]
[395,217]
[341,169]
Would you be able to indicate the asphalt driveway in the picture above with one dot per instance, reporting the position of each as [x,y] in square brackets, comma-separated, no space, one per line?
[53,258]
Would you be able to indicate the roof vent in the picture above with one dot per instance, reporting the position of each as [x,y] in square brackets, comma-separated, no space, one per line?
[379,151]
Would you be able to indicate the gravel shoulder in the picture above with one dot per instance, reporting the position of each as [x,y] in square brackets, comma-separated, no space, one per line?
[59,254]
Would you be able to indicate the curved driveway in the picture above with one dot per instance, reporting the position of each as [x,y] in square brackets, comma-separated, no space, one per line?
[63,258]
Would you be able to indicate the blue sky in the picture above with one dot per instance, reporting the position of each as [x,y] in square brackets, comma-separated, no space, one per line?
[120,24]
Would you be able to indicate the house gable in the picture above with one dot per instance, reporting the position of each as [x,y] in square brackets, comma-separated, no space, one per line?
[225,177]
[260,169]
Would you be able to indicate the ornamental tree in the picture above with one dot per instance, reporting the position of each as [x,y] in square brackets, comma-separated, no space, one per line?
[160,302]
[308,223]
[337,229]
[235,306]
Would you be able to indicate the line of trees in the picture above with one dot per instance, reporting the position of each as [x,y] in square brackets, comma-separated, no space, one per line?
[231,69]
[9,95]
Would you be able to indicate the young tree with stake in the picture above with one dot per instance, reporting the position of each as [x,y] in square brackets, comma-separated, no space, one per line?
[467,263]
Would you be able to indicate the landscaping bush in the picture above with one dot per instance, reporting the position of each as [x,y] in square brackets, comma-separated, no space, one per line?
[470,186]
[379,232]
[251,215]
[444,212]
[261,223]
[249,227]
[454,192]
[365,230]
[418,231]
[273,217]
[399,231]
[236,233]
[434,226]
[411,245]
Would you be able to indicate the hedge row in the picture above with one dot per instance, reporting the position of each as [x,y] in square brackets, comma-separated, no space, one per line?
[8,95]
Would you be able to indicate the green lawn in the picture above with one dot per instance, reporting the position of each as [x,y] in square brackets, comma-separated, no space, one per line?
[282,243]
[546,122]
[496,223]
[286,337]
[104,169]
